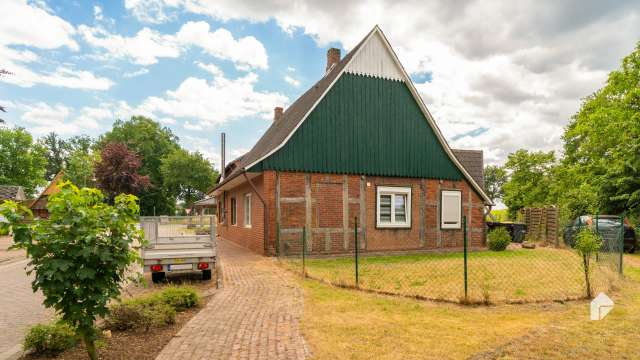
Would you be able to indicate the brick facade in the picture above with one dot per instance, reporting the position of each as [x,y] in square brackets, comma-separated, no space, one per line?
[248,237]
[328,204]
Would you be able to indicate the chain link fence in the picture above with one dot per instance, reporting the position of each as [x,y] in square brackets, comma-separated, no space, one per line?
[465,274]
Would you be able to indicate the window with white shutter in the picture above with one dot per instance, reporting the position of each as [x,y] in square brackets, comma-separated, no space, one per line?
[451,209]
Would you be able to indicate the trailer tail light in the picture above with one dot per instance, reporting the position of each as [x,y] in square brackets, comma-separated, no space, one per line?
[203,266]
[156,268]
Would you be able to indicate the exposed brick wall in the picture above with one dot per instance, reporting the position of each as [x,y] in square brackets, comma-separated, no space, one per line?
[249,237]
[290,195]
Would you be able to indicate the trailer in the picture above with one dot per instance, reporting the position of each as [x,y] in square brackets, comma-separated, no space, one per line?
[178,244]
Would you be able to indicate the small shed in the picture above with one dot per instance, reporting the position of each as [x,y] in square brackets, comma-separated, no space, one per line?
[12,192]
[39,206]
[206,206]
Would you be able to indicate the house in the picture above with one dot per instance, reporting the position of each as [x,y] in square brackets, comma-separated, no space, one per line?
[359,143]
[12,192]
[39,205]
[206,206]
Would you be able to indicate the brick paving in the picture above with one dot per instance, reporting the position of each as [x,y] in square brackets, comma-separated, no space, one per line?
[6,255]
[19,307]
[256,315]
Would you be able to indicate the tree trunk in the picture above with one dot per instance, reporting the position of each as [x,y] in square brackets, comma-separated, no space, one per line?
[91,347]
[585,263]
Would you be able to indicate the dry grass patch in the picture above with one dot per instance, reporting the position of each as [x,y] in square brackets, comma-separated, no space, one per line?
[346,324]
[543,274]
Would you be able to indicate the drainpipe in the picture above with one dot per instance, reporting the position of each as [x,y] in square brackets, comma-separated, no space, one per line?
[265,212]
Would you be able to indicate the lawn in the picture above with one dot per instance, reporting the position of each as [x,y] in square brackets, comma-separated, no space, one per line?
[348,324]
[513,276]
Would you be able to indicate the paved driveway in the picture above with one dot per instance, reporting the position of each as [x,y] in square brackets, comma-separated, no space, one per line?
[256,315]
[19,307]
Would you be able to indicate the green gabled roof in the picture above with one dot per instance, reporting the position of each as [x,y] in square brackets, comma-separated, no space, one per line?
[265,154]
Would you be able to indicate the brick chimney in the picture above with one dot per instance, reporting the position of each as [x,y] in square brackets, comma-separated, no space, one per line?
[333,57]
[277,114]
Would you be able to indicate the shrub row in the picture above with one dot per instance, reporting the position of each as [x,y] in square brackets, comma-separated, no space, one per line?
[143,312]
[152,310]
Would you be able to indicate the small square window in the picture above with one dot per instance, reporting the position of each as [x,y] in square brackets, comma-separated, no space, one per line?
[393,207]
[451,209]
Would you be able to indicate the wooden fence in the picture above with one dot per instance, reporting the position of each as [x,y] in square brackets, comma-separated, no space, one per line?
[543,224]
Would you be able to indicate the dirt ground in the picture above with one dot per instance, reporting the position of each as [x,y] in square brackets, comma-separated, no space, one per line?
[139,344]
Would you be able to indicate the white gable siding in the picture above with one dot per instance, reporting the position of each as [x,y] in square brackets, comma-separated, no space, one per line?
[374,59]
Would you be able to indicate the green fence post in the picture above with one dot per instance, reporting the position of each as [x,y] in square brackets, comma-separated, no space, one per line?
[621,243]
[464,230]
[304,250]
[356,237]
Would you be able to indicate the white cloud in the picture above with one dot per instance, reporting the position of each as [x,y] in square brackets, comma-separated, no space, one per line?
[132,74]
[244,52]
[144,48]
[97,13]
[148,11]
[291,81]
[504,75]
[147,46]
[30,25]
[210,68]
[18,19]
[42,118]
[213,102]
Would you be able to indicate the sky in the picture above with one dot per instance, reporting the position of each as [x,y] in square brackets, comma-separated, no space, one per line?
[496,75]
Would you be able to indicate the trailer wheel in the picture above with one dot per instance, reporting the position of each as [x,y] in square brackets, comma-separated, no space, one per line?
[157,277]
[206,274]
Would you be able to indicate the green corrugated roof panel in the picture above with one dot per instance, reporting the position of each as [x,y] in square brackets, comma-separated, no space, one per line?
[366,126]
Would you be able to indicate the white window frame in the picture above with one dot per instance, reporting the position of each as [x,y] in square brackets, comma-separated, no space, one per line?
[234,211]
[246,208]
[451,194]
[393,191]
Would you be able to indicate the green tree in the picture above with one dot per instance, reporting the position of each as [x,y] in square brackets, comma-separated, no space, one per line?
[22,161]
[80,167]
[494,179]
[56,152]
[80,254]
[530,179]
[601,144]
[152,143]
[588,243]
[188,175]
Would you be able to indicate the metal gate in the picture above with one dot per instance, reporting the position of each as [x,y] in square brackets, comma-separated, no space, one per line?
[164,230]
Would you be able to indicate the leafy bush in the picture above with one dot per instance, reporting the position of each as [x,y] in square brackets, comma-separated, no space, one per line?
[50,339]
[498,239]
[180,298]
[80,254]
[145,313]
[588,243]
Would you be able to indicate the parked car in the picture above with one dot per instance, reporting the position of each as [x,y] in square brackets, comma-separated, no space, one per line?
[608,226]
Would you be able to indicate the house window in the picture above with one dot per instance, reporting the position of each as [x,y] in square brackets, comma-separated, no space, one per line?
[221,211]
[451,209]
[393,207]
[247,210]
[234,212]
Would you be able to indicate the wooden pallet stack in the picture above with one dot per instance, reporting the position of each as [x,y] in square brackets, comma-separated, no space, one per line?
[542,224]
